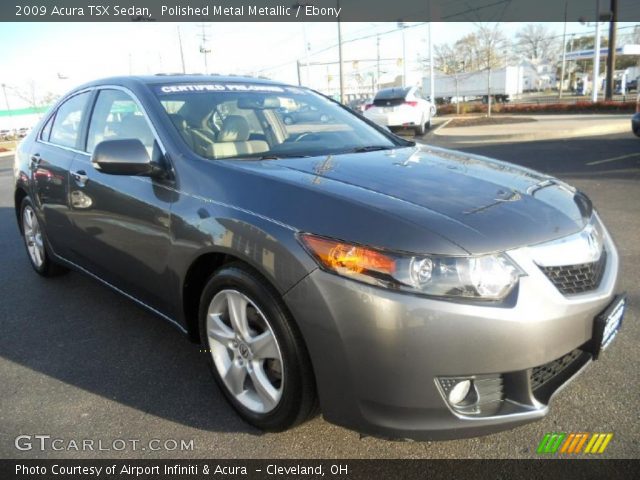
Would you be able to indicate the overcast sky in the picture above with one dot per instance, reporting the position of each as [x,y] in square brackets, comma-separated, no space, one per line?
[79,52]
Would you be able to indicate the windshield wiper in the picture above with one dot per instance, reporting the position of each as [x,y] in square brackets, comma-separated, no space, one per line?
[272,156]
[371,148]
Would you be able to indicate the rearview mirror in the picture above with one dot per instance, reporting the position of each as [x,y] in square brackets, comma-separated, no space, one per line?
[127,156]
[251,102]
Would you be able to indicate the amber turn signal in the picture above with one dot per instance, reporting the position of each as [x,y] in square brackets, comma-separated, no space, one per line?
[347,258]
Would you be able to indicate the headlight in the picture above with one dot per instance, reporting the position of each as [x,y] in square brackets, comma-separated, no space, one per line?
[489,277]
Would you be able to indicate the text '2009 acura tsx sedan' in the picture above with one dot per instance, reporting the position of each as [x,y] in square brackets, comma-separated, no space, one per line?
[410,291]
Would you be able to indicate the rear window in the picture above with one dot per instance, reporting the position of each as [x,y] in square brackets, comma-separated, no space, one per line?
[244,120]
[392,93]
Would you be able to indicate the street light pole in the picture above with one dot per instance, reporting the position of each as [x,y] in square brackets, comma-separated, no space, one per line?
[611,58]
[401,26]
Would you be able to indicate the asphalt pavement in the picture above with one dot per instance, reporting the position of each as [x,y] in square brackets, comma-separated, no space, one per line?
[79,362]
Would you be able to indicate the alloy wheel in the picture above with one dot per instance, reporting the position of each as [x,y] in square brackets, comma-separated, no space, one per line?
[245,351]
[33,236]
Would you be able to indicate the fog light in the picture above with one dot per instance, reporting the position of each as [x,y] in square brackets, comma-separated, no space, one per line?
[459,392]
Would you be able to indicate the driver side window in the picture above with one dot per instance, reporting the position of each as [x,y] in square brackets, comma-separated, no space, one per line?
[117,116]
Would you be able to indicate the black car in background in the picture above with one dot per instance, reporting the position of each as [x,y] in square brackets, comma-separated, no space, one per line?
[303,114]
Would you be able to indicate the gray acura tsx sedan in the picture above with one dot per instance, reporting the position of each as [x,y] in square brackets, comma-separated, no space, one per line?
[407,291]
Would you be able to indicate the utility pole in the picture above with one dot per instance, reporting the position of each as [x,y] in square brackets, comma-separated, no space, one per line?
[298,69]
[377,64]
[341,70]
[596,57]
[306,54]
[204,38]
[564,50]
[184,70]
[489,80]
[611,58]
[432,80]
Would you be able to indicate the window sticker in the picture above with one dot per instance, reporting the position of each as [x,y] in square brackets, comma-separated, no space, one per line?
[218,87]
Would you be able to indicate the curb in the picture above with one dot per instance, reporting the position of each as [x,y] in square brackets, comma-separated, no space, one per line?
[533,136]
[10,153]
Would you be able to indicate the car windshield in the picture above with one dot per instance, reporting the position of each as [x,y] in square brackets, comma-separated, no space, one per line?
[244,120]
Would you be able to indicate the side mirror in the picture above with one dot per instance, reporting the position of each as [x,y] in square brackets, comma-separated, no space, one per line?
[127,156]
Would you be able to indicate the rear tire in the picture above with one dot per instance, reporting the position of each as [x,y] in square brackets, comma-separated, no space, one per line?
[257,356]
[420,130]
[35,242]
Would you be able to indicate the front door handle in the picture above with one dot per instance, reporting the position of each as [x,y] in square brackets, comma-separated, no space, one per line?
[80,177]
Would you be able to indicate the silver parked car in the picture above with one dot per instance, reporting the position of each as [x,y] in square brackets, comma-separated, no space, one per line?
[412,291]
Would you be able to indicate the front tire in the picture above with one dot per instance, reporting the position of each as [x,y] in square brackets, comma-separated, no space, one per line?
[34,240]
[255,352]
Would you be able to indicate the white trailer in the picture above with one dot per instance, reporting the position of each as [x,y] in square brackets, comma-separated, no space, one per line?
[506,84]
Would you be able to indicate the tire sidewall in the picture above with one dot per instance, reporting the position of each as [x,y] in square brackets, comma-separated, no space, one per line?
[42,269]
[255,288]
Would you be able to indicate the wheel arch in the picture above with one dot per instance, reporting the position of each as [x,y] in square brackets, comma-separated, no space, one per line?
[198,274]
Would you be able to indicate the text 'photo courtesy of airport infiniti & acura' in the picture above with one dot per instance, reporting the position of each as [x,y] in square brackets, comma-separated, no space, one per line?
[404,290]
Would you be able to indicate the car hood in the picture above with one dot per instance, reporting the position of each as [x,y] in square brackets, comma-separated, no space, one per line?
[480,204]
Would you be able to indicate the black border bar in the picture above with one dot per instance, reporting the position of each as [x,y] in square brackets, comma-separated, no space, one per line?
[564,469]
[313,10]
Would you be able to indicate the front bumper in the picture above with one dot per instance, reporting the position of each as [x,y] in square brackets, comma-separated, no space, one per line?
[395,119]
[377,353]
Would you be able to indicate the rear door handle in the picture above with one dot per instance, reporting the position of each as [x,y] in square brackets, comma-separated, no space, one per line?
[80,177]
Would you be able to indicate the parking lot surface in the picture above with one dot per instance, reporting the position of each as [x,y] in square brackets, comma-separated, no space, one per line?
[80,362]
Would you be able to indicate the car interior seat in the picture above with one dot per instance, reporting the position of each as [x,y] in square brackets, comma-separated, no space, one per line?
[233,139]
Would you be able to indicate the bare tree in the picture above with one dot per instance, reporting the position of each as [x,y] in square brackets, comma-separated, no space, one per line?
[450,60]
[484,49]
[537,43]
[492,43]
[31,96]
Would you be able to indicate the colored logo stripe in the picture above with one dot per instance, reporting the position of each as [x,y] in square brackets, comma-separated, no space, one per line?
[598,442]
[573,443]
[551,442]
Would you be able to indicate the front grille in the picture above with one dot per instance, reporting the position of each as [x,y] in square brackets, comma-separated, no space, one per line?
[583,277]
[542,374]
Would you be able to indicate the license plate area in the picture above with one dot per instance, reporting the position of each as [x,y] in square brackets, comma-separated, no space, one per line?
[607,324]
